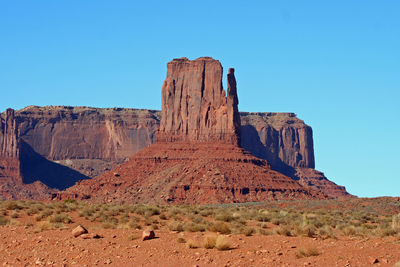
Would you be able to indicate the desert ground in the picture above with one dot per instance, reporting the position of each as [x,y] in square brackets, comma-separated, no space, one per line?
[355,232]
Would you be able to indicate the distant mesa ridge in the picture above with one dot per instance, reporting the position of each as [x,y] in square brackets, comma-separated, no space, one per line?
[197,118]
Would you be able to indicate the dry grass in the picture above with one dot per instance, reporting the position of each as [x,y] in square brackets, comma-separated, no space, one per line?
[309,252]
[222,243]
[134,236]
[312,221]
[209,241]
[191,244]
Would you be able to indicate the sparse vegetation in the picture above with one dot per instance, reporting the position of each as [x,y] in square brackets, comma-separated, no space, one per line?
[313,221]
[191,244]
[222,243]
[309,252]
[209,241]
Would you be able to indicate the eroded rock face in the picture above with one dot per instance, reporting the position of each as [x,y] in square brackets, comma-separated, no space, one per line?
[194,104]
[89,140]
[9,146]
[9,135]
[11,175]
[278,137]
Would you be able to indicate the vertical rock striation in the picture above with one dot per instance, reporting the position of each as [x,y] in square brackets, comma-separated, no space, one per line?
[194,104]
[9,146]
[9,136]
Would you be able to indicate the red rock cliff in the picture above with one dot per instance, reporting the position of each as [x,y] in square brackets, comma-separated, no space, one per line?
[194,104]
[9,135]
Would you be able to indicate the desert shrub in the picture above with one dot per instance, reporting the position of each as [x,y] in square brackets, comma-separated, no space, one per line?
[326,231]
[207,212]
[163,216]
[109,225]
[134,236]
[225,217]
[209,241]
[349,230]
[87,212]
[3,212]
[32,211]
[12,205]
[176,226]
[283,230]
[194,227]
[14,214]
[222,243]
[60,218]
[396,222]
[134,225]
[44,225]
[248,231]
[181,240]
[309,252]
[306,230]
[124,218]
[43,214]
[4,220]
[220,227]
[70,201]
[385,230]
[191,244]
[263,217]
[196,219]
[264,232]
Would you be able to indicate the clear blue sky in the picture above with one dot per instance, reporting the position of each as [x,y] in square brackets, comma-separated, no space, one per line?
[334,63]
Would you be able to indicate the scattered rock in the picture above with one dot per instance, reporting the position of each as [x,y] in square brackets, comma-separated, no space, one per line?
[79,230]
[148,234]
[373,260]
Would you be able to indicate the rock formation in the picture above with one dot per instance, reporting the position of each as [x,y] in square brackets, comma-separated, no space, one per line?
[61,144]
[194,104]
[89,140]
[11,175]
[9,146]
[197,158]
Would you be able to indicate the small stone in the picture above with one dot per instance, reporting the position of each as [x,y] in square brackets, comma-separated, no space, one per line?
[79,230]
[148,234]
[373,260]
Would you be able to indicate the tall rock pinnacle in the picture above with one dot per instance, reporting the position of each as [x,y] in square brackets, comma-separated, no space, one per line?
[194,104]
[9,136]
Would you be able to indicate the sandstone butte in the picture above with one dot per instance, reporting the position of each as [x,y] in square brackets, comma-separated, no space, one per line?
[45,149]
[197,156]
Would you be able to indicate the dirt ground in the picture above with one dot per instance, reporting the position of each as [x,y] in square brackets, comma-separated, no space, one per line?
[20,246]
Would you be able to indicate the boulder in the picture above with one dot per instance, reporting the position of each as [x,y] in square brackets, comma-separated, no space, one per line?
[148,234]
[79,230]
